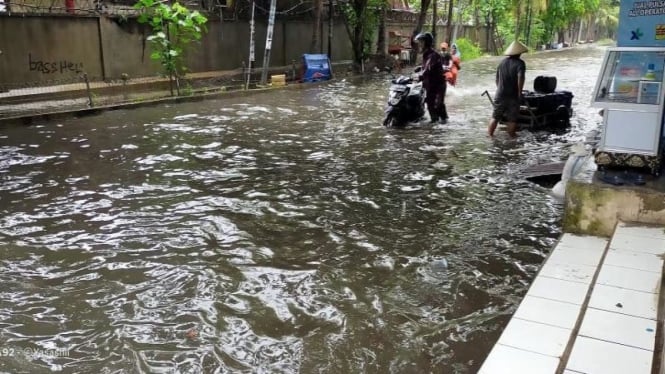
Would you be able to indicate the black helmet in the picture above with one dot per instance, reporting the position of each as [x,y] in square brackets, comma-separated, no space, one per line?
[427,38]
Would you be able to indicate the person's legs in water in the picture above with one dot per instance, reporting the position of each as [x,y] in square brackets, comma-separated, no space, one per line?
[492,127]
[508,110]
[497,114]
[511,113]
[441,104]
[430,101]
[511,128]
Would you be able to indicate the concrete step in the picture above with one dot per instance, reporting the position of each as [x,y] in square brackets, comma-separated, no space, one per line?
[593,308]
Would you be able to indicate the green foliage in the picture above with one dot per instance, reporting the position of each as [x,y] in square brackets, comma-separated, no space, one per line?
[173,27]
[361,18]
[538,34]
[533,22]
[468,49]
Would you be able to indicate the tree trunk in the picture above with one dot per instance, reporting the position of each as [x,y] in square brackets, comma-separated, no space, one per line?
[424,5]
[476,22]
[589,28]
[459,25]
[315,47]
[434,11]
[359,42]
[381,47]
[529,14]
[449,21]
[356,29]
[518,19]
[488,33]
[562,36]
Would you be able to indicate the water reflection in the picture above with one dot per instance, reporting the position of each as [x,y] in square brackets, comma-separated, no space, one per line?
[285,232]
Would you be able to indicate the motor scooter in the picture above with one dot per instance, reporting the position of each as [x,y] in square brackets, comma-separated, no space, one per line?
[406,101]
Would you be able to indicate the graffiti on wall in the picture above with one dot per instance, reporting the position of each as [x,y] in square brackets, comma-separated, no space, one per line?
[53,67]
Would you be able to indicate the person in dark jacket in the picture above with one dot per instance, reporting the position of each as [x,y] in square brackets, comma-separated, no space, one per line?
[509,85]
[432,77]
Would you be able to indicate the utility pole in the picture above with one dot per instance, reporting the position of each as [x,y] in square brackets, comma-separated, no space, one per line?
[271,27]
[251,47]
[330,28]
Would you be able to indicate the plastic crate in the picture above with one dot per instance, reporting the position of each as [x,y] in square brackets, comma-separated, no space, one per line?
[316,68]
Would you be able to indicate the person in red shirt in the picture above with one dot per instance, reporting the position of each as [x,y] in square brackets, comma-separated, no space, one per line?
[455,64]
[451,64]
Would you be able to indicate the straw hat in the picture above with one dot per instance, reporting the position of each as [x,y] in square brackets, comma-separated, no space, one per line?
[515,48]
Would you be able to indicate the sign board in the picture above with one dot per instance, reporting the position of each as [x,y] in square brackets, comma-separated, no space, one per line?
[641,24]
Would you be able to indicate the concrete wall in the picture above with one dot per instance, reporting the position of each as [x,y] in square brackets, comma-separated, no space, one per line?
[57,49]
[125,49]
[36,49]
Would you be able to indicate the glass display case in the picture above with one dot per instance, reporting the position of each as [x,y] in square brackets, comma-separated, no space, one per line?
[631,76]
[630,89]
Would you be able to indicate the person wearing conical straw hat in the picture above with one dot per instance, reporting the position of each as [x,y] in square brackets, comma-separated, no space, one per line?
[509,83]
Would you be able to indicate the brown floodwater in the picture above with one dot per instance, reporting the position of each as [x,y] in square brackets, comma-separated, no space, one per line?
[287,232]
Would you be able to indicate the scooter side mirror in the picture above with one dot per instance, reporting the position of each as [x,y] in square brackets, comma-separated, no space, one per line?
[418,69]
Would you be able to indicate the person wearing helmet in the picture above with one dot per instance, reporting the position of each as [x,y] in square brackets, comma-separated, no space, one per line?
[509,83]
[432,77]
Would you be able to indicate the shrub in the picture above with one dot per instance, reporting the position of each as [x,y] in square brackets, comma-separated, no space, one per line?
[468,49]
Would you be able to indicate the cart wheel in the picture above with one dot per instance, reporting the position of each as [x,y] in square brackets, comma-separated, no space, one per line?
[563,113]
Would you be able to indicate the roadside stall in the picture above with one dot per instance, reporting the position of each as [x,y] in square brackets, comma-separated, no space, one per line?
[631,90]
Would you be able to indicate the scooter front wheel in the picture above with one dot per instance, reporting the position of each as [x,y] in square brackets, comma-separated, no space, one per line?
[390,121]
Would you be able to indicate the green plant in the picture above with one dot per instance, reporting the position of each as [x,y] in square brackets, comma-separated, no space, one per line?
[188,90]
[468,49]
[173,27]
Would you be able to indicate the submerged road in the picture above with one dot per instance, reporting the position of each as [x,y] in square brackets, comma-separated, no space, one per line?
[281,233]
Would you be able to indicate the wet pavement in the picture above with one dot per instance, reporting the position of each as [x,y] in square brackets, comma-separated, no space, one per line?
[284,232]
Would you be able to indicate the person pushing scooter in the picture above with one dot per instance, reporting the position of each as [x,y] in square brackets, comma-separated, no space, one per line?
[433,79]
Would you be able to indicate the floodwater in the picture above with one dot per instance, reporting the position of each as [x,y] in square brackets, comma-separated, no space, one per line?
[287,232]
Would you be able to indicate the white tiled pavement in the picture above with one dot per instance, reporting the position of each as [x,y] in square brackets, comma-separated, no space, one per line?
[594,299]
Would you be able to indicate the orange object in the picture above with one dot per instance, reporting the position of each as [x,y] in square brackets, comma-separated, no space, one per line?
[451,75]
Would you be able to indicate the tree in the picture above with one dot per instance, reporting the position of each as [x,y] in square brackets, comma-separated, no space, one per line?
[361,18]
[607,18]
[173,28]
[493,12]
[449,21]
[381,42]
[424,5]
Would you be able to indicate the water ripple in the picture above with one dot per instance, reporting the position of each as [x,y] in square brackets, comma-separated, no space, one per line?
[279,233]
